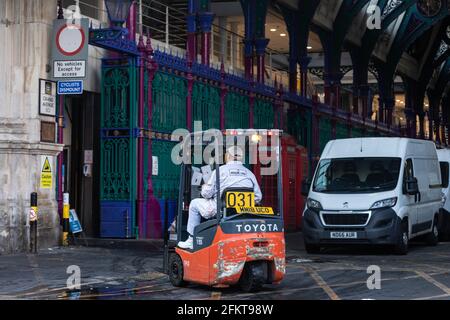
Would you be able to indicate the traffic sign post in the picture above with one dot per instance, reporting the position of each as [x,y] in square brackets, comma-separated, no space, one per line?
[70,48]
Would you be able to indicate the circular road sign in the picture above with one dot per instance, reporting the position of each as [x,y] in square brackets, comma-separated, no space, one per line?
[70,39]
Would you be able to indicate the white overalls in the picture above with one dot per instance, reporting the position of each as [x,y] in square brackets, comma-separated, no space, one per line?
[232,175]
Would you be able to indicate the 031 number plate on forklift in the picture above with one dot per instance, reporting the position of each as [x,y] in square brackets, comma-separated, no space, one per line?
[240,199]
[255,210]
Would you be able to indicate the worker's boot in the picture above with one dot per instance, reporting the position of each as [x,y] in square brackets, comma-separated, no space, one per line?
[188,244]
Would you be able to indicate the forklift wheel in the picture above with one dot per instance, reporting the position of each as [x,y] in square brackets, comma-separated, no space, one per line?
[176,270]
[253,276]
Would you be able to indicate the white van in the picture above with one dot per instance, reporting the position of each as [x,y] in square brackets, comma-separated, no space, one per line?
[373,191]
[444,215]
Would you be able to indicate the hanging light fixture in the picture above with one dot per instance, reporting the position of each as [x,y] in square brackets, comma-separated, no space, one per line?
[118,10]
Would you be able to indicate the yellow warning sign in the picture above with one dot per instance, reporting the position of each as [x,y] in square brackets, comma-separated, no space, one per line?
[46,167]
[46,175]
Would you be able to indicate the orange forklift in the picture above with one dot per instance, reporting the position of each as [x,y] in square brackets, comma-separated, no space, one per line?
[244,243]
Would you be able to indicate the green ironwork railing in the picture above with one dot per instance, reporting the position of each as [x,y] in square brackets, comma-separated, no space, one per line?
[263,114]
[236,111]
[324,132]
[169,102]
[206,105]
[116,93]
[299,126]
[341,131]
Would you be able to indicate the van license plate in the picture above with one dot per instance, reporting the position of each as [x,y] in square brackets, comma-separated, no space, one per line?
[343,235]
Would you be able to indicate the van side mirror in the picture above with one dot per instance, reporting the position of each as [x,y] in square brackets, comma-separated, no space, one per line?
[306,185]
[412,187]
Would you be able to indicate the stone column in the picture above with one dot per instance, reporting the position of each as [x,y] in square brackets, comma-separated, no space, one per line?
[21,149]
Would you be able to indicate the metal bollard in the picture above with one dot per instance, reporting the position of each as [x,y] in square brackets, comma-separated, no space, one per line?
[65,225]
[33,222]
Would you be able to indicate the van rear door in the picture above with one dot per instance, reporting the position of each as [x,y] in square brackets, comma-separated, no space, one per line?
[411,201]
[430,189]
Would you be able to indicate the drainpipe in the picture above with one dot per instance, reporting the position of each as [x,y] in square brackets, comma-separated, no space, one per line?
[315,143]
[131,22]
[223,39]
[260,48]
[248,59]
[140,164]
[304,62]
[421,116]
[251,113]
[389,104]
[223,94]
[60,134]
[363,92]
[192,31]
[151,70]
[190,86]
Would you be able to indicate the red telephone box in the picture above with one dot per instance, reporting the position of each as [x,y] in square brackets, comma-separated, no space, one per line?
[294,171]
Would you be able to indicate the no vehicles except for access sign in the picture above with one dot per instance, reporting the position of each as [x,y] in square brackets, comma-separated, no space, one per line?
[69,69]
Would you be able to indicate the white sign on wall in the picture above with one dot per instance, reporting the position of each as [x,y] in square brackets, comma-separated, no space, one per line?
[47,97]
[154,166]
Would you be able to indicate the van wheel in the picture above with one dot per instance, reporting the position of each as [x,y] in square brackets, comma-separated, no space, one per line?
[254,276]
[312,248]
[444,226]
[176,271]
[402,245]
[432,238]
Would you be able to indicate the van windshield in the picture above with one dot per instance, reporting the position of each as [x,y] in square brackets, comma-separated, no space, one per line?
[357,175]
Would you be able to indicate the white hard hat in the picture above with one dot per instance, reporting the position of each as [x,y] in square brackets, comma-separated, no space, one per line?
[235,152]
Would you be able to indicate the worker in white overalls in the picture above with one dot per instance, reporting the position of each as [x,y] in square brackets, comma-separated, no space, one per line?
[232,174]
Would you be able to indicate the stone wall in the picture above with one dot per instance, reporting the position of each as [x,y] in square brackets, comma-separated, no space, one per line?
[25,31]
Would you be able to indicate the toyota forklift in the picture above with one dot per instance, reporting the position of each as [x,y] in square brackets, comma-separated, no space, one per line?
[243,244]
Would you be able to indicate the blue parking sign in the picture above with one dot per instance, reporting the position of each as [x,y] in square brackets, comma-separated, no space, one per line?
[75,225]
[70,87]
